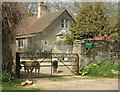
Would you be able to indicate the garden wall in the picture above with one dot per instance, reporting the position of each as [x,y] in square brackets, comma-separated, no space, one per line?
[102,50]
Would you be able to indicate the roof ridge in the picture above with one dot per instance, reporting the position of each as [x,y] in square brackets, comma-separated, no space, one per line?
[40,24]
[55,17]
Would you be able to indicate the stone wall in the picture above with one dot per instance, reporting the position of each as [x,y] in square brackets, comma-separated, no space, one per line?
[102,51]
[49,34]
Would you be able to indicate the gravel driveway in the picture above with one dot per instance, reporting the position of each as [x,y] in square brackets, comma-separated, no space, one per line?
[76,83]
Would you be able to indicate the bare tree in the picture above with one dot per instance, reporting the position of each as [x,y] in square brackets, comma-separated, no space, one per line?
[71,7]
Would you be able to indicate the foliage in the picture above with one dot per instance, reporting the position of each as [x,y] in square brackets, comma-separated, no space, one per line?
[7,76]
[30,14]
[69,39]
[14,86]
[86,70]
[114,32]
[103,69]
[92,22]
[114,36]
[62,56]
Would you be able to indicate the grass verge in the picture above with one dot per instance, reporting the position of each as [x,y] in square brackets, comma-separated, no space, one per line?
[14,87]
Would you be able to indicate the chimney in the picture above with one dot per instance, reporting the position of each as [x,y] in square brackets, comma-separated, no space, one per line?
[42,8]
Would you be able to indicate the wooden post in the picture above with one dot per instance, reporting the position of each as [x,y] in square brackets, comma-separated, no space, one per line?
[77,60]
[18,65]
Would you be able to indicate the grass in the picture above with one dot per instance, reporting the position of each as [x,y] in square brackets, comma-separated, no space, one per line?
[14,87]
[84,77]
[69,78]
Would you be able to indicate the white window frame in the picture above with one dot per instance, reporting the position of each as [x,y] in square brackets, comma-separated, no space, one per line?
[19,43]
[65,23]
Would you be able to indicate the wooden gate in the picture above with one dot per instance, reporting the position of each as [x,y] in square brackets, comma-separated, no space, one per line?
[68,63]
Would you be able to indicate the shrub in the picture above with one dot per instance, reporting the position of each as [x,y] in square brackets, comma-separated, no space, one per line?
[8,76]
[86,70]
[103,69]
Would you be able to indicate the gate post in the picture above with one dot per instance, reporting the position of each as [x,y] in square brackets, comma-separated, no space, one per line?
[77,63]
[18,66]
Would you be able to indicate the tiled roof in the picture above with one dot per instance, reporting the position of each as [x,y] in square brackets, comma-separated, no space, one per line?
[31,25]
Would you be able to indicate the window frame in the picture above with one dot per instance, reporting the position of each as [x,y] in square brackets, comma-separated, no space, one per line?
[65,23]
[45,42]
[21,43]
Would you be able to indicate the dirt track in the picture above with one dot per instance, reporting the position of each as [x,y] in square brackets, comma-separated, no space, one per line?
[76,84]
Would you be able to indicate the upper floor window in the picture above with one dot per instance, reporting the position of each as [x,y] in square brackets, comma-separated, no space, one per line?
[21,43]
[65,23]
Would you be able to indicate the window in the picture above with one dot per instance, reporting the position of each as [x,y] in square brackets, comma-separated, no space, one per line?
[21,43]
[62,38]
[65,23]
[46,42]
[62,23]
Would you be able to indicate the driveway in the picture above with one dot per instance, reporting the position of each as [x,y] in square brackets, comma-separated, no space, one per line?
[76,83]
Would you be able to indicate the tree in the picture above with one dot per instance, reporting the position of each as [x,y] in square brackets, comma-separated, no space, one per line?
[12,13]
[71,7]
[114,32]
[90,22]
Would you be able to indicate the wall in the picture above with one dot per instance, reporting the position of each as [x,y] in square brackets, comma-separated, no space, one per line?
[49,34]
[102,51]
[26,45]
[62,49]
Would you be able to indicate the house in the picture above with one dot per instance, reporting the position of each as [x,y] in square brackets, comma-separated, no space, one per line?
[41,32]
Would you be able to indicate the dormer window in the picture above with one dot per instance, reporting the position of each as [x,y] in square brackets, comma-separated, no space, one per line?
[65,23]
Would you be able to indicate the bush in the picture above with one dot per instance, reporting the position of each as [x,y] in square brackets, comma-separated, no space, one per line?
[103,69]
[86,70]
[114,36]
[8,76]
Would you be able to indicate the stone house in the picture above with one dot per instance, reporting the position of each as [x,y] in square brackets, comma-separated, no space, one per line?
[41,32]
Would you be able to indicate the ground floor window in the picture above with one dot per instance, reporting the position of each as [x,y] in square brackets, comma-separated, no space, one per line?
[21,43]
